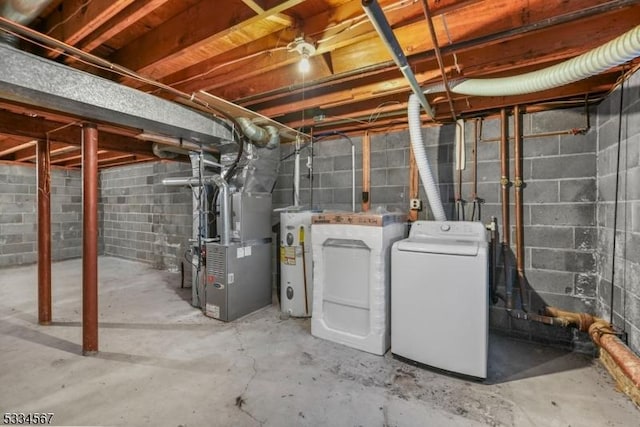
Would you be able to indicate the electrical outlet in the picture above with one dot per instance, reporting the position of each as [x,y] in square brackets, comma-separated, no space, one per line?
[415,204]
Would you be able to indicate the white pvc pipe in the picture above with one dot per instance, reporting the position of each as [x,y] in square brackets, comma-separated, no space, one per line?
[426,176]
[296,176]
[353,177]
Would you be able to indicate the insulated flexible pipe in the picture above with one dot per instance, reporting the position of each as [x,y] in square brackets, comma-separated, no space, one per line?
[424,170]
[618,51]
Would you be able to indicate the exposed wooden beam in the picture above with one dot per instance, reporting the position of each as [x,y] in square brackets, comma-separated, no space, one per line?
[542,49]
[260,8]
[125,18]
[350,50]
[198,33]
[331,26]
[67,156]
[37,128]
[76,19]
[103,157]
[357,115]
[18,147]
[121,162]
[30,153]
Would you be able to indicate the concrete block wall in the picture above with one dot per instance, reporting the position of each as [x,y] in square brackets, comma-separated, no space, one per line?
[389,171]
[18,214]
[142,219]
[559,210]
[619,141]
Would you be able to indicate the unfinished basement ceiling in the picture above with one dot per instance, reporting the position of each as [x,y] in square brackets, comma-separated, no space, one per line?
[240,50]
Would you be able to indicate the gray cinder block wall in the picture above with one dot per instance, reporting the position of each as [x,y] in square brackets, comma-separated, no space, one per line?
[18,214]
[559,210]
[332,171]
[142,219]
[620,141]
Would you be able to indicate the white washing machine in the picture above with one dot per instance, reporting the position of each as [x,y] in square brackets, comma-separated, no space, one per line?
[440,296]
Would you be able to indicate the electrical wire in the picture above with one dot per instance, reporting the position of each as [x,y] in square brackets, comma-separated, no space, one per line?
[74,13]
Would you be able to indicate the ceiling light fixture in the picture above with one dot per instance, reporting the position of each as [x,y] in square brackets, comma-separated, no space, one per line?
[305,48]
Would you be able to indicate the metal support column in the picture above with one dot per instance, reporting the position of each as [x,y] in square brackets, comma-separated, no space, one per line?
[44,232]
[89,239]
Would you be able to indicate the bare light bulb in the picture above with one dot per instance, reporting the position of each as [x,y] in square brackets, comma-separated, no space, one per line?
[304,65]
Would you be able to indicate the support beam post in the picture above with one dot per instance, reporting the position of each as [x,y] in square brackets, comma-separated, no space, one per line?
[44,231]
[89,239]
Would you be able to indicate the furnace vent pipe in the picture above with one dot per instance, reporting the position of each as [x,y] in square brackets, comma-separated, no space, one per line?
[258,135]
[424,170]
[225,199]
[190,181]
[164,152]
[225,209]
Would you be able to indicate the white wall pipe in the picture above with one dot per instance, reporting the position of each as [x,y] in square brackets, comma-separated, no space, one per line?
[296,175]
[353,177]
[426,176]
[618,51]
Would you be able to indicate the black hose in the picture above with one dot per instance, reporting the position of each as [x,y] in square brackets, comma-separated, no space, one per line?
[615,207]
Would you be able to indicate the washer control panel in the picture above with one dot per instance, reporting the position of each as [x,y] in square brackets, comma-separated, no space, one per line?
[458,230]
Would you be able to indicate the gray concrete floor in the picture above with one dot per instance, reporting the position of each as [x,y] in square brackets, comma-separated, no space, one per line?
[163,363]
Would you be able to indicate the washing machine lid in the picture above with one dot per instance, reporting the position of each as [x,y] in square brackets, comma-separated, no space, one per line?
[444,247]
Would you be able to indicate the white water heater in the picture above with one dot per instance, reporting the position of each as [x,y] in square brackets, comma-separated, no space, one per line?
[296,264]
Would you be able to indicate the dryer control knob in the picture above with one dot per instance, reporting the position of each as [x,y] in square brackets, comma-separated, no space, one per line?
[445,227]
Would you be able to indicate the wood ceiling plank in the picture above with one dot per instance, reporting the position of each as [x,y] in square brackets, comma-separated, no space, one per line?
[12,146]
[29,153]
[37,128]
[362,111]
[63,157]
[260,8]
[540,49]
[124,19]
[344,25]
[135,159]
[196,34]
[366,50]
[76,19]
[110,158]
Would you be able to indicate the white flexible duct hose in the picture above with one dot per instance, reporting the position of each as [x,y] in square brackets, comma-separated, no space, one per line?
[426,176]
[618,51]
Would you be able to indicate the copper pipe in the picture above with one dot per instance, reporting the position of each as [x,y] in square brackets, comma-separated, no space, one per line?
[504,176]
[44,231]
[366,172]
[504,181]
[414,186]
[436,50]
[477,202]
[581,321]
[572,131]
[518,184]
[474,189]
[89,238]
